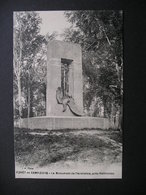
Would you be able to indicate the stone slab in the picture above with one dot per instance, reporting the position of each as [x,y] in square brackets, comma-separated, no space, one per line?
[60,122]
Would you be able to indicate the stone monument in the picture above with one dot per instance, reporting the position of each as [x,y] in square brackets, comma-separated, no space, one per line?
[64,95]
[64,70]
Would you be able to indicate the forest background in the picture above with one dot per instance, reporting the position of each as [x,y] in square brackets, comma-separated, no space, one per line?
[99,32]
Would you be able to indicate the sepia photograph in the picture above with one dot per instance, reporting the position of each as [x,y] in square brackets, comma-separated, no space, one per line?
[68,94]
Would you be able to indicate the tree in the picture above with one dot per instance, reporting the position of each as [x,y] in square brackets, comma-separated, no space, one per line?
[100,35]
[26,43]
[17,60]
[38,78]
[30,61]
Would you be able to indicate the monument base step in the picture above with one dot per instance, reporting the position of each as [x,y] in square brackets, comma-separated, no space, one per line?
[59,122]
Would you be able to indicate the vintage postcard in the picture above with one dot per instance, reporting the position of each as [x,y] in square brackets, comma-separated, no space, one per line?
[68,94]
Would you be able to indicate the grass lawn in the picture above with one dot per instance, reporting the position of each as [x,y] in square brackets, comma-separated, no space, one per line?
[43,147]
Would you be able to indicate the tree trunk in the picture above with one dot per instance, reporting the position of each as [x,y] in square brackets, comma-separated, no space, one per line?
[120,125]
[104,108]
[19,78]
[112,115]
[31,103]
[121,102]
[28,102]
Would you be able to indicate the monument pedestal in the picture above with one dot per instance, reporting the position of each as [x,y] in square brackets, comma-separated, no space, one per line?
[61,122]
